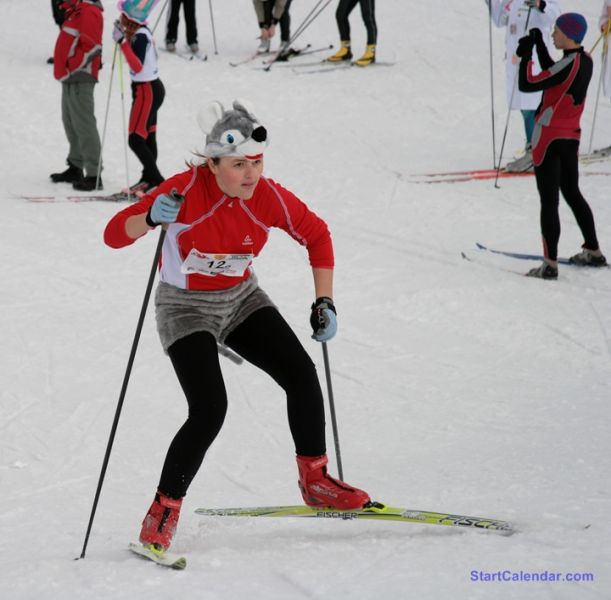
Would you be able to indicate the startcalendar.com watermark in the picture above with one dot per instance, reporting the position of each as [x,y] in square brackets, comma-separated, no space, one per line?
[509,576]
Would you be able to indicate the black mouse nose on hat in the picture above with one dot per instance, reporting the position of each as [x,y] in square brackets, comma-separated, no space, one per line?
[259,134]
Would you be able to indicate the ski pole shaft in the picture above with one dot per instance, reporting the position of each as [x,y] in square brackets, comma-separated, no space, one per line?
[112,72]
[491,85]
[125,131]
[312,15]
[307,18]
[603,68]
[212,24]
[165,5]
[513,91]
[126,377]
[600,37]
[338,454]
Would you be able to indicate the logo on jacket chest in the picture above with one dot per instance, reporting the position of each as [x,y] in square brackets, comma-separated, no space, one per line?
[247,241]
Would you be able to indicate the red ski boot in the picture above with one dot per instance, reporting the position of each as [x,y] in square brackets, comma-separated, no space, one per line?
[159,525]
[319,489]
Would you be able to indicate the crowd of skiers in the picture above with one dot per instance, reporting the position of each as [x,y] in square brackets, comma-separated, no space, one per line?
[77,61]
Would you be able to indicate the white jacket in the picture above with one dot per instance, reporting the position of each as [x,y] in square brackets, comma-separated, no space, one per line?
[604,17]
[513,15]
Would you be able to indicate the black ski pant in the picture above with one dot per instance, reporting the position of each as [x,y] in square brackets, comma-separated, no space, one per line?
[559,172]
[368,13]
[285,19]
[147,97]
[266,340]
[174,17]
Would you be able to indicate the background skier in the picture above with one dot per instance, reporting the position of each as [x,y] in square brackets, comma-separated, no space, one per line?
[556,136]
[514,16]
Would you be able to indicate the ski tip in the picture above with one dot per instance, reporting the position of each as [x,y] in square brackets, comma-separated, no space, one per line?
[160,557]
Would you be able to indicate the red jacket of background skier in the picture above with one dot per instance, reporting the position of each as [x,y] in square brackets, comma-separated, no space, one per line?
[78,49]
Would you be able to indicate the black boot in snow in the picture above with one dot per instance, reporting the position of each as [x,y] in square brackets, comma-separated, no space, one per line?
[70,175]
[87,184]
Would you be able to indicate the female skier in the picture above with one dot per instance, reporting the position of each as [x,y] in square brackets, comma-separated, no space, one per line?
[209,293]
[137,44]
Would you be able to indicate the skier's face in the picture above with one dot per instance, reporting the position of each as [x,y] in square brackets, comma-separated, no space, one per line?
[561,40]
[237,176]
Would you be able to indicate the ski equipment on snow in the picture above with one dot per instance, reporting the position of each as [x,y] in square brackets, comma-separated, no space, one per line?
[478,174]
[374,511]
[520,255]
[160,557]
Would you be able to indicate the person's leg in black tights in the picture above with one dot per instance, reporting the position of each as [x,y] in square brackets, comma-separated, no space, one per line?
[195,360]
[266,340]
[569,186]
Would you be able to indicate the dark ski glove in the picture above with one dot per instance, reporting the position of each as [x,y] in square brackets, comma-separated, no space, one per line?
[525,47]
[533,4]
[537,37]
[323,319]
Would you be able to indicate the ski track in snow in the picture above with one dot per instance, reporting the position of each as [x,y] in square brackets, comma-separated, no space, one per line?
[458,385]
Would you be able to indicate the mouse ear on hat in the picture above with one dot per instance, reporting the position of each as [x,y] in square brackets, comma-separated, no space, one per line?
[244,106]
[209,115]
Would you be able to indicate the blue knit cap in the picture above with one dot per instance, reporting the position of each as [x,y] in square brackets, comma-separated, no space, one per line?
[573,25]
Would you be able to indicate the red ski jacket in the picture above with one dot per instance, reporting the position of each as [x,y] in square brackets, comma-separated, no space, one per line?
[564,85]
[212,223]
[78,49]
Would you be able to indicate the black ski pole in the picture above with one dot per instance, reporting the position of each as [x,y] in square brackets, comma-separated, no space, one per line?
[212,23]
[338,454]
[128,370]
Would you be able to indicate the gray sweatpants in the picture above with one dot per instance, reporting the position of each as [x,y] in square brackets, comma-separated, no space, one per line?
[79,121]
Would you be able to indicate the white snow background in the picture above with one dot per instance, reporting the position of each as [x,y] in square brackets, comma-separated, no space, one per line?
[459,386]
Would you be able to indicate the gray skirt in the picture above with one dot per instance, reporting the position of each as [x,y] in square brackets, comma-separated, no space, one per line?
[180,312]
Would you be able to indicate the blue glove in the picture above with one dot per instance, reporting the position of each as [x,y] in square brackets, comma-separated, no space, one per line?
[163,210]
[323,319]
[118,33]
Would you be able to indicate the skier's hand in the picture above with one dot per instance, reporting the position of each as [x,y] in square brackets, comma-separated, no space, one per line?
[323,319]
[537,36]
[538,4]
[525,47]
[118,33]
[163,210]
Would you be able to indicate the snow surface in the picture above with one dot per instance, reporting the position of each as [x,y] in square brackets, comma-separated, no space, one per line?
[459,386]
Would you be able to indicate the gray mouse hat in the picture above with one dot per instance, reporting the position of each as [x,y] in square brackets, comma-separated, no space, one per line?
[234,132]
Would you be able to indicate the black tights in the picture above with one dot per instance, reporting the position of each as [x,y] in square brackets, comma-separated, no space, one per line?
[343,11]
[265,340]
[559,172]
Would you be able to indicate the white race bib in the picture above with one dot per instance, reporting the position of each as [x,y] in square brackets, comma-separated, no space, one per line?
[203,263]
